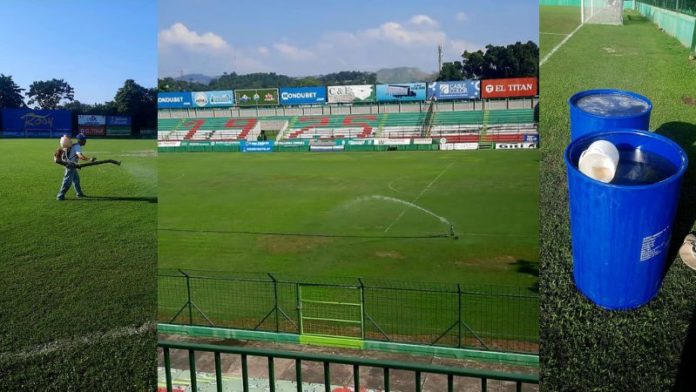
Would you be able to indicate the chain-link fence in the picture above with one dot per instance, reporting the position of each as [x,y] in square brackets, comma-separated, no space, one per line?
[482,317]
[683,6]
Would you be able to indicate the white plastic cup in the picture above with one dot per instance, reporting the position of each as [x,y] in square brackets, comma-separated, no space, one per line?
[599,161]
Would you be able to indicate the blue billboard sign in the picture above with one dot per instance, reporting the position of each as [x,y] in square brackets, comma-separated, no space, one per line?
[401,92]
[252,146]
[36,123]
[462,89]
[302,95]
[118,121]
[180,99]
[210,99]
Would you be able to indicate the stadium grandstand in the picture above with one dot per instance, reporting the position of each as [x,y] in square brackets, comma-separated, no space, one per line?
[471,122]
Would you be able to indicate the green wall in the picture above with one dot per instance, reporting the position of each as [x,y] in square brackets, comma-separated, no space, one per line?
[680,26]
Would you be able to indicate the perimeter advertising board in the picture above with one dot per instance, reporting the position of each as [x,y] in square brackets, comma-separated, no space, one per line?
[252,146]
[256,97]
[176,100]
[401,92]
[213,99]
[351,93]
[36,123]
[462,89]
[509,88]
[118,125]
[91,125]
[302,95]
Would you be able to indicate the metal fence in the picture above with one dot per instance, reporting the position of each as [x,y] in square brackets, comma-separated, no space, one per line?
[683,6]
[505,381]
[451,315]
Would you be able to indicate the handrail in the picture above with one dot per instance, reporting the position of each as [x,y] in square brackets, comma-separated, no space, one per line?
[326,360]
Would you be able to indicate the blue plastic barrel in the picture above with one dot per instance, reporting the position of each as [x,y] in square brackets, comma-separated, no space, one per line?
[620,233]
[605,109]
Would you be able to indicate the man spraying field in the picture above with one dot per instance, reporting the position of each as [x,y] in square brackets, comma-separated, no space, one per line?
[69,155]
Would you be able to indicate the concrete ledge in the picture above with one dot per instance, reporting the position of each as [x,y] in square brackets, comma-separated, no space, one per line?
[444,352]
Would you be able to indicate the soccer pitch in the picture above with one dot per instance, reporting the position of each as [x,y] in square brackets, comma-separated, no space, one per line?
[78,275]
[642,346]
[374,215]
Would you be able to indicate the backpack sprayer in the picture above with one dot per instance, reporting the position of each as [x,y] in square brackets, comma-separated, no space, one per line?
[60,156]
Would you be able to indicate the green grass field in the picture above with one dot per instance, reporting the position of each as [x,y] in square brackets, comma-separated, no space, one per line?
[77,268]
[585,347]
[555,25]
[319,217]
[215,208]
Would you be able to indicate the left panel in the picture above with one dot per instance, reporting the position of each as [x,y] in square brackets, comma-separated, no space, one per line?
[78,245]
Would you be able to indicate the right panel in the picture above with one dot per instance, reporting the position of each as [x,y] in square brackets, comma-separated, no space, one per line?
[617,198]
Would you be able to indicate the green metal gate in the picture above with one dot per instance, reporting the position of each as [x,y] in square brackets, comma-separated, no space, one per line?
[331,311]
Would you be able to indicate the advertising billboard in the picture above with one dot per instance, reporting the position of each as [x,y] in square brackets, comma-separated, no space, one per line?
[91,125]
[180,99]
[509,88]
[256,97]
[302,95]
[252,146]
[36,123]
[462,89]
[90,119]
[351,93]
[210,99]
[118,125]
[401,92]
[120,121]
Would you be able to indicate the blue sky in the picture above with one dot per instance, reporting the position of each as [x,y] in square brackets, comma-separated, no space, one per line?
[93,45]
[308,37]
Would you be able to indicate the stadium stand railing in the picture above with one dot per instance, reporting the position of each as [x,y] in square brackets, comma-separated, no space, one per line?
[211,356]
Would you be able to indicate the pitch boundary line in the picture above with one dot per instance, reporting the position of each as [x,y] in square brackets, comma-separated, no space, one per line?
[427,187]
[559,45]
[69,343]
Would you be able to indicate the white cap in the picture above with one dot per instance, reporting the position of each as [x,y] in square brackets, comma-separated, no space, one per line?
[599,161]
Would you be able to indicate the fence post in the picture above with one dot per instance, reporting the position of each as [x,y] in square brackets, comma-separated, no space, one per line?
[459,315]
[188,292]
[275,296]
[362,309]
[299,308]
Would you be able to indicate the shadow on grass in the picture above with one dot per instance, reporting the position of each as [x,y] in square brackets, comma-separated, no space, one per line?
[529,268]
[686,377]
[634,18]
[116,198]
[683,134]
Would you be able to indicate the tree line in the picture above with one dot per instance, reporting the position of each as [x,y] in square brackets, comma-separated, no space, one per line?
[233,81]
[130,100]
[516,60]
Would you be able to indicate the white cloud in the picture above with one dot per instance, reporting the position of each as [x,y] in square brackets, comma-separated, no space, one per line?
[424,20]
[293,52]
[180,35]
[461,17]
[409,42]
[396,33]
